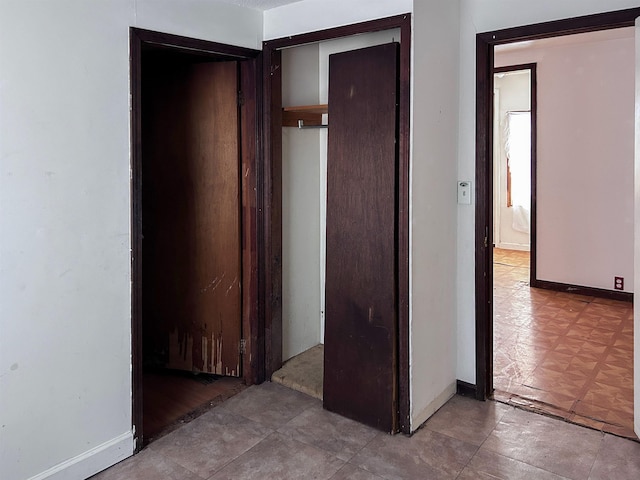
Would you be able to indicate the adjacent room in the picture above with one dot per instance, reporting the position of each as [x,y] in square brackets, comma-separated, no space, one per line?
[563,232]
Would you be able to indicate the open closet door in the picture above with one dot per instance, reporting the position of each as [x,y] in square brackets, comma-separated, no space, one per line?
[636,313]
[360,365]
[191,217]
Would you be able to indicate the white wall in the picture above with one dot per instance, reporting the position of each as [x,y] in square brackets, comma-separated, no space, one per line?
[65,322]
[585,156]
[301,204]
[479,17]
[511,93]
[312,15]
[433,205]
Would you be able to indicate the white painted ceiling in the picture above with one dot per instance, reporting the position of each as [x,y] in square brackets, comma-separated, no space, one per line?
[260,4]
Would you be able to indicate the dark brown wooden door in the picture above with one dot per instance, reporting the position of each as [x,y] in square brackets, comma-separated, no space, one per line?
[191,216]
[361,272]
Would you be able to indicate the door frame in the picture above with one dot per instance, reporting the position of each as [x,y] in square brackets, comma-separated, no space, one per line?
[250,129]
[533,102]
[485,43]
[271,269]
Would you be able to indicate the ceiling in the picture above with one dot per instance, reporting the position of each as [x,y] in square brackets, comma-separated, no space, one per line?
[260,4]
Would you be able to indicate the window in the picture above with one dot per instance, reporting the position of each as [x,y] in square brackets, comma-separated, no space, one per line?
[518,148]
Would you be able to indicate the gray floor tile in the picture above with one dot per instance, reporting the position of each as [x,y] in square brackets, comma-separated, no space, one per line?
[147,465]
[467,419]
[618,458]
[238,441]
[552,445]
[208,443]
[491,466]
[280,457]
[349,472]
[270,404]
[335,434]
[426,454]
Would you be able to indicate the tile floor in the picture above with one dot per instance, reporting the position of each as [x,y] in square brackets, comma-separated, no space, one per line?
[271,432]
[564,354]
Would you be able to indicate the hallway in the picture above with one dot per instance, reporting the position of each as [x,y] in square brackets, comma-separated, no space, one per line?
[271,432]
[566,355]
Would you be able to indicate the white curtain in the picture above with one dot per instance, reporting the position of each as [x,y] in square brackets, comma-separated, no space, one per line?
[518,149]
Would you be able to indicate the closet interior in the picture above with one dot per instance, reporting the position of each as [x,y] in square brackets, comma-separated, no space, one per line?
[305,132]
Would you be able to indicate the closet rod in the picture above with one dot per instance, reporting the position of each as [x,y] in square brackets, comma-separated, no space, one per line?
[301,125]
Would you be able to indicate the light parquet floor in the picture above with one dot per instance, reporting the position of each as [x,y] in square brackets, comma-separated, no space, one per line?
[563,354]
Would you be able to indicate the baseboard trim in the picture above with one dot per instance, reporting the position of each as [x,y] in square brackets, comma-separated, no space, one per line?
[579,290]
[513,246]
[92,461]
[466,389]
[436,403]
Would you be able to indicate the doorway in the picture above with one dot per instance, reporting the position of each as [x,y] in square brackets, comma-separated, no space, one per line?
[514,141]
[277,258]
[194,230]
[484,232]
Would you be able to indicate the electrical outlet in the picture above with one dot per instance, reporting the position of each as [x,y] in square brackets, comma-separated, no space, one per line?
[618,283]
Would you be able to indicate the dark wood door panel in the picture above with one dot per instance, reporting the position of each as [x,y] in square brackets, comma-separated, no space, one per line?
[360,378]
[191,217]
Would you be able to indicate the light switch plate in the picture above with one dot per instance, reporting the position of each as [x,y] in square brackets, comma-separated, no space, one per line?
[464,192]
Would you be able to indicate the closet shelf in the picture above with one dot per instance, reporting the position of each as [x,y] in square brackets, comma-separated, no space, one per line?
[310,115]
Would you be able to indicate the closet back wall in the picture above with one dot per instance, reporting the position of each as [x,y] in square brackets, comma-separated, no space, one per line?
[300,207]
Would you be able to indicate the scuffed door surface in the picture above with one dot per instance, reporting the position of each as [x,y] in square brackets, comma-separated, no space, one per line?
[191,218]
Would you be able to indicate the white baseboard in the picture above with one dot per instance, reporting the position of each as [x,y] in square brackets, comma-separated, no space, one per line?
[91,462]
[513,246]
[440,400]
